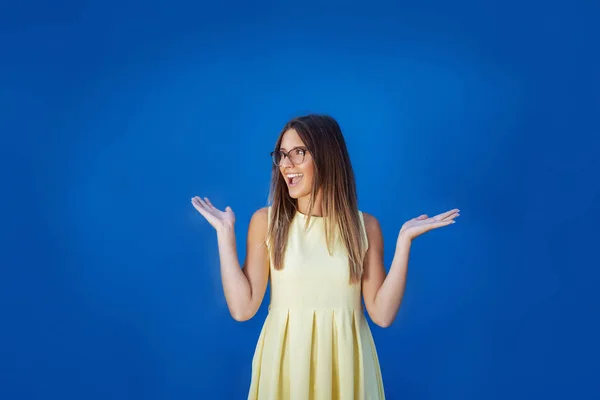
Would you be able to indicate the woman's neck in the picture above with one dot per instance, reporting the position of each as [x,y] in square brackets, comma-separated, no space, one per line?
[304,203]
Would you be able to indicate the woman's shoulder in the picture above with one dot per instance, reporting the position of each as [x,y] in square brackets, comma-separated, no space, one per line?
[370,221]
[261,214]
[259,224]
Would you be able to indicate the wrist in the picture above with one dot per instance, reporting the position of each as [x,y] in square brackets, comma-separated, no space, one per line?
[403,240]
[225,231]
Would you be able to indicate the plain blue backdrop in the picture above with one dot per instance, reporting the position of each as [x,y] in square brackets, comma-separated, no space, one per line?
[114,114]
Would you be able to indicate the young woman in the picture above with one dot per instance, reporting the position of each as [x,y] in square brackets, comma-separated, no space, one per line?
[323,257]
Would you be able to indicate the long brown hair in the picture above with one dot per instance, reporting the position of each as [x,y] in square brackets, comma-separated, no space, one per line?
[334,176]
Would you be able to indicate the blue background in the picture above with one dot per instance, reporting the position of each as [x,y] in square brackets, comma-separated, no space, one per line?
[114,114]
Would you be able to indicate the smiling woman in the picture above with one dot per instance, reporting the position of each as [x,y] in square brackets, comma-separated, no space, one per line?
[323,256]
[296,156]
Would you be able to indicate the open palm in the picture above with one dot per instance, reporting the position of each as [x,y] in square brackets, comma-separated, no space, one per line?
[423,223]
[217,218]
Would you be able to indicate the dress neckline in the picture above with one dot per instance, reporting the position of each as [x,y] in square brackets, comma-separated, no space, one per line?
[306,216]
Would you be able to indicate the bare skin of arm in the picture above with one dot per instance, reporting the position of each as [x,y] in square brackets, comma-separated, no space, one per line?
[244,286]
[383,292]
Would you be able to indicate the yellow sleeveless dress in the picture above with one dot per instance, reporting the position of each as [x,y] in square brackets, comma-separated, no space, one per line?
[315,342]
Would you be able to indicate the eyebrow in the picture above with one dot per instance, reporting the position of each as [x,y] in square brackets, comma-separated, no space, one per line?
[293,148]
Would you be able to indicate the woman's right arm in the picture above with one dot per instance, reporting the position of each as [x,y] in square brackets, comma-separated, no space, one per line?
[244,287]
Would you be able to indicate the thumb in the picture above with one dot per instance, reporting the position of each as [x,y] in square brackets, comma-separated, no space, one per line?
[421,217]
[228,208]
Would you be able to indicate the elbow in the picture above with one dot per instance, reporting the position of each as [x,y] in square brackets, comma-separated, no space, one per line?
[241,315]
[240,318]
[383,317]
[384,323]
[380,319]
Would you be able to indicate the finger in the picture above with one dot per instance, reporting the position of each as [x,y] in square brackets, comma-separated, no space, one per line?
[205,212]
[205,207]
[202,203]
[207,201]
[196,201]
[422,217]
[451,216]
[437,224]
[199,207]
[443,223]
[426,227]
[446,214]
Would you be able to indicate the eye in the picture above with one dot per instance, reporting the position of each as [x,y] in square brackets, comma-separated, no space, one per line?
[300,152]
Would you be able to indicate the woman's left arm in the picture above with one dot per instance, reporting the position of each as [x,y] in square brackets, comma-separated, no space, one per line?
[383,292]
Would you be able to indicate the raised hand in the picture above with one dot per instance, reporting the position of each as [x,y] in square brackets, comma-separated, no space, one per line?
[421,224]
[217,218]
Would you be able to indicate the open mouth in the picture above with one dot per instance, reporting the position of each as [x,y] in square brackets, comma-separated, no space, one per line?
[293,179]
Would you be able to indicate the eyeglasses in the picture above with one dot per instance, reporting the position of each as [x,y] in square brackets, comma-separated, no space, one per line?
[296,156]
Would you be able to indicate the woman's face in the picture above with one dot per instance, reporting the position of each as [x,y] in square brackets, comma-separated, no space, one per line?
[296,166]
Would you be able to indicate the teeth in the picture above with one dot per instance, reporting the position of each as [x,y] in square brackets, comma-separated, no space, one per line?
[293,175]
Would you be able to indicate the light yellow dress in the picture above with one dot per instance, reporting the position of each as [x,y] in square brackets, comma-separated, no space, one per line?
[315,342]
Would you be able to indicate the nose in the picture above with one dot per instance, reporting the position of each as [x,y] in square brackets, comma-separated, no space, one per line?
[285,162]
